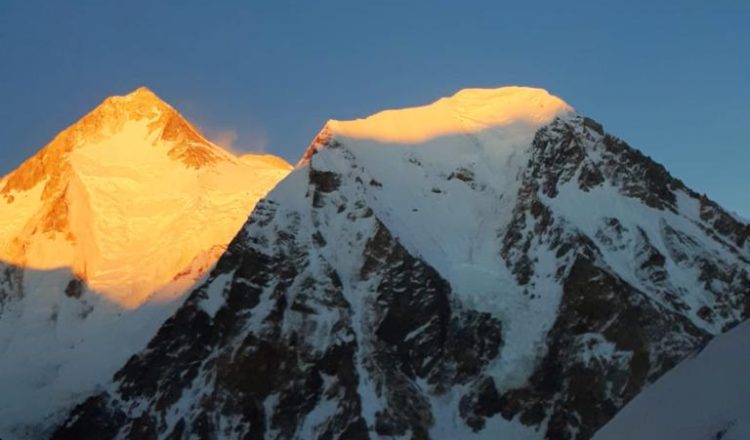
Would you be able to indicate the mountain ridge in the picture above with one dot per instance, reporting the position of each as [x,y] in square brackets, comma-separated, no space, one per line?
[524,281]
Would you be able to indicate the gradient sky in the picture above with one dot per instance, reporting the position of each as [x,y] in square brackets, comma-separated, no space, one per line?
[671,77]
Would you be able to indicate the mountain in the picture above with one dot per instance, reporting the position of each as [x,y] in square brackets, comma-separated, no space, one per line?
[123,198]
[492,265]
[102,232]
[703,398]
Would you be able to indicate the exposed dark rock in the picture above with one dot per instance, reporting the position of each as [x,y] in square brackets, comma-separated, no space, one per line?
[463,174]
[480,404]
[11,285]
[580,392]
[74,288]
[99,422]
[723,223]
[422,333]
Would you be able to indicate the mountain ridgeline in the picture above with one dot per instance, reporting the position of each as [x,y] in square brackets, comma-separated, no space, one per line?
[491,265]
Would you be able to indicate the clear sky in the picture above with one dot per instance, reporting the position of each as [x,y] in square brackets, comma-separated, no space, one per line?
[670,77]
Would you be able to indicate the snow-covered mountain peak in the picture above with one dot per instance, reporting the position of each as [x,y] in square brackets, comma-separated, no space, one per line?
[184,142]
[122,198]
[118,125]
[102,232]
[142,96]
[510,115]
[467,111]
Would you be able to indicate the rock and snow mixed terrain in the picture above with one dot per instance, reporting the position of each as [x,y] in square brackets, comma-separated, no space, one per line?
[490,265]
[102,232]
[704,398]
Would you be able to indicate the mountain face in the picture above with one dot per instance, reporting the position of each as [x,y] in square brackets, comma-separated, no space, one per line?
[102,232]
[490,265]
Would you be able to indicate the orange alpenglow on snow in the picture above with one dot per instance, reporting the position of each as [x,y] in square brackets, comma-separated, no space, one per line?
[132,198]
[467,111]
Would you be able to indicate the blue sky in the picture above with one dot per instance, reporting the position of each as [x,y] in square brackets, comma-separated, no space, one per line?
[672,77]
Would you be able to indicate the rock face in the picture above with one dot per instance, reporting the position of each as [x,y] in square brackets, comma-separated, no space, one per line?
[519,274]
[102,233]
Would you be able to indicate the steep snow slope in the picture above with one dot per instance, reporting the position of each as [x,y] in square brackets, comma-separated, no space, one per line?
[511,272]
[101,232]
[704,398]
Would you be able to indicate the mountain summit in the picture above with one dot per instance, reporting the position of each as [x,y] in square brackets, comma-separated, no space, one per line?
[128,197]
[467,111]
[505,111]
[492,265]
[102,232]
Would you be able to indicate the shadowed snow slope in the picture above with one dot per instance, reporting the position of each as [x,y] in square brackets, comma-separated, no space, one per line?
[103,231]
[491,265]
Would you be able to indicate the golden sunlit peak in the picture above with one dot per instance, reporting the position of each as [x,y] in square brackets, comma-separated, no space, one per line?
[140,97]
[467,111]
[143,93]
[131,198]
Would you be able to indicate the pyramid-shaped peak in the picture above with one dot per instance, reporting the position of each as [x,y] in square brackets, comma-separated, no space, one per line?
[142,92]
[111,124]
[137,101]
